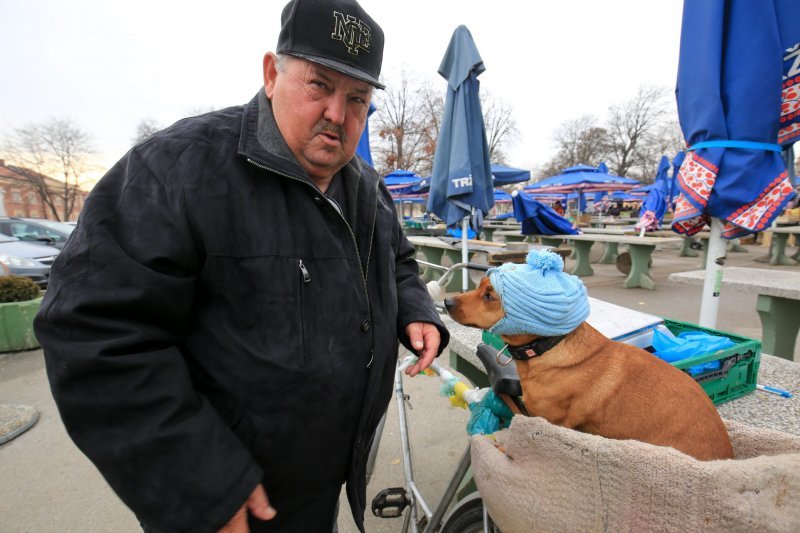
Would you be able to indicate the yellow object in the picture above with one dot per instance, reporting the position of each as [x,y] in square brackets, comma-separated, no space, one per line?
[457,400]
[428,372]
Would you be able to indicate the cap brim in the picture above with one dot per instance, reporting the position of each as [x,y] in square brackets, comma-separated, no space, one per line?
[339,67]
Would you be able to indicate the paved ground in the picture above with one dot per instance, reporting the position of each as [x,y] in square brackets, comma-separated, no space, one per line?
[48,486]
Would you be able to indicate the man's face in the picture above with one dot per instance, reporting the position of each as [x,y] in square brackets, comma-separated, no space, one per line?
[320,112]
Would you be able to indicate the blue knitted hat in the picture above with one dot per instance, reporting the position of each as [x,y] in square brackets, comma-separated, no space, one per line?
[537,297]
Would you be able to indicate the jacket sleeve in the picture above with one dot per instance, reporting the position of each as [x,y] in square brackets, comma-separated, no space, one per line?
[111,324]
[414,302]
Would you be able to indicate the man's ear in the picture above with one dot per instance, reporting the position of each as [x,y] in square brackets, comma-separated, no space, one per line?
[270,73]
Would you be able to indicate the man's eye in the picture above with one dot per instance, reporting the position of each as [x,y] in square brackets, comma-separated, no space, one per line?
[318,84]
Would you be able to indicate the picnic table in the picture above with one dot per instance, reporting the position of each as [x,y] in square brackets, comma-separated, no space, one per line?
[639,248]
[757,408]
[777,249]
[778,302]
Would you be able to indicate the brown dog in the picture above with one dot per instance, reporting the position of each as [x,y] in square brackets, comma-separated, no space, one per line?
[595,385]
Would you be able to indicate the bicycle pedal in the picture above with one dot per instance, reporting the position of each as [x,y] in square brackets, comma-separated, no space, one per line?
[390,503]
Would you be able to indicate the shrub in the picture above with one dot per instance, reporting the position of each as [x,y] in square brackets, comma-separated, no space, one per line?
[17,289]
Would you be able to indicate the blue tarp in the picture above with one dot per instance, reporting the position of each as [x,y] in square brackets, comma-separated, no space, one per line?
[733,73]
[538,219]
[461,178]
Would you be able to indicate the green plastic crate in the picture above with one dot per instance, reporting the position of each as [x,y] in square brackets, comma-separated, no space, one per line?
[738,364]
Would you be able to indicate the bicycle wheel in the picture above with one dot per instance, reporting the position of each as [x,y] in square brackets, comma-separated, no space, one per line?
[467,517]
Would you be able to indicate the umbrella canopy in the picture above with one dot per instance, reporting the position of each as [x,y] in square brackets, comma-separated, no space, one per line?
[731,78]
[501,196]
[582,178]
[538,219]
[363,142]
[402,182]
[461,178]
[653,208]
[503,175]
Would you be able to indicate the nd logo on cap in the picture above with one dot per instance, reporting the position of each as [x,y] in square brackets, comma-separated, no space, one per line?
[354,33]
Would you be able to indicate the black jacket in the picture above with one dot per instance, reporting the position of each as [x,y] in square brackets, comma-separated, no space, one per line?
[214,322]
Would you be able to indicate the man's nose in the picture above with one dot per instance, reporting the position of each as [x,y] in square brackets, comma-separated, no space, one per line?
[336,109]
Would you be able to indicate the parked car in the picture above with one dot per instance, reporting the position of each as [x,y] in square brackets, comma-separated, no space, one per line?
[37,229]
[27,259]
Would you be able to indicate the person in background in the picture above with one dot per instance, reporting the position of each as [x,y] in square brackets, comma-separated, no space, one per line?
[558,208]
[221,331]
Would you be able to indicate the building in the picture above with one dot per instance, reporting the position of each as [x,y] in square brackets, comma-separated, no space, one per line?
[18,197]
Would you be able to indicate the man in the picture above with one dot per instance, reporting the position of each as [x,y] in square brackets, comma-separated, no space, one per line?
[221,330]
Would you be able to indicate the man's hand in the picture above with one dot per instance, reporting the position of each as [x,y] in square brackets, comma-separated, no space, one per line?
[425,340]
[257,505]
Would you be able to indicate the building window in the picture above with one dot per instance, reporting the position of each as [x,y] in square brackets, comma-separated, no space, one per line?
[33,198]
[16,197]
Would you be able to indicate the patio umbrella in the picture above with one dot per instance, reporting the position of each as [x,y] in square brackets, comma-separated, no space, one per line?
[653,208]
[363,143]
[673,185]
[582,178]
[738,60]
[539,219]
[503,175]
[461,179]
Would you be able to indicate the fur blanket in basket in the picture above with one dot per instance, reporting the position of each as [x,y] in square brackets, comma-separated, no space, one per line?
[548,478]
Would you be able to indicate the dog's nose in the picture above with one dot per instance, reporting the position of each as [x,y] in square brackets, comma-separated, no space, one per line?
[449,303]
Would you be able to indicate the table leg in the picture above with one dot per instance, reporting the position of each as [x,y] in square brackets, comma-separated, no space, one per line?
[610,254]
[780,322]
[548,241]
[734,245]
[582,265]
[488,233]
[767,258]
[640,267]
[705,250]
[516,238]
[573,253]
[686,248]
[430,255]
[779,250]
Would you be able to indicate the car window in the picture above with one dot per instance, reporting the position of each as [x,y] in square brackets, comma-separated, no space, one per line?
[29,232]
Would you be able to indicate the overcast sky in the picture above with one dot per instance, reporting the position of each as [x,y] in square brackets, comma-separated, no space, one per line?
[108,65]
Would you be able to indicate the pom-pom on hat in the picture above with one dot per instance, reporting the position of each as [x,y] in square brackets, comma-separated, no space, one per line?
[538,297]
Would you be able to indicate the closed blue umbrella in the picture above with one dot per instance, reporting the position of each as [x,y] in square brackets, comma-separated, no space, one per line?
[363,143]
[538,219]
[733,74]
[461,179]
[673,185]
[462,176]
[662,175]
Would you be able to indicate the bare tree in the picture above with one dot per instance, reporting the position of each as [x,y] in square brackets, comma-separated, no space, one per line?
[407,123]
[501,128]
[399,124]
[145,129]
[57,148]
[579,141]
[632,126]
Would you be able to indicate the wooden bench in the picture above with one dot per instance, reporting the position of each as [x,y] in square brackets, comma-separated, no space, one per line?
[778,303]
[639,248]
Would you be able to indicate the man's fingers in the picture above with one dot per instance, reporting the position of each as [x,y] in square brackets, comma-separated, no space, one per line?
[428,347]
[258,504]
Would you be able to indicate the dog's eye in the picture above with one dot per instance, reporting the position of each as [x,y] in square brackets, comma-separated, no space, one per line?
[488,297]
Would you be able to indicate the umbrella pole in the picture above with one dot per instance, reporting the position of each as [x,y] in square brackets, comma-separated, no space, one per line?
[464,252]
[715,258]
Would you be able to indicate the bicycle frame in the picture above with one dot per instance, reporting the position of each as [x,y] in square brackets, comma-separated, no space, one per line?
[433,518]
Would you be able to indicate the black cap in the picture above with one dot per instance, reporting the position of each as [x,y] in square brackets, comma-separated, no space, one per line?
[334,33]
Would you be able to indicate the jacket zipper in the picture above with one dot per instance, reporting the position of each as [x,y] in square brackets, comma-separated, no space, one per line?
[349,229]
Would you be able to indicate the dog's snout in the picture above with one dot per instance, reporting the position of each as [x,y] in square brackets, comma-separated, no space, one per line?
[449,303]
